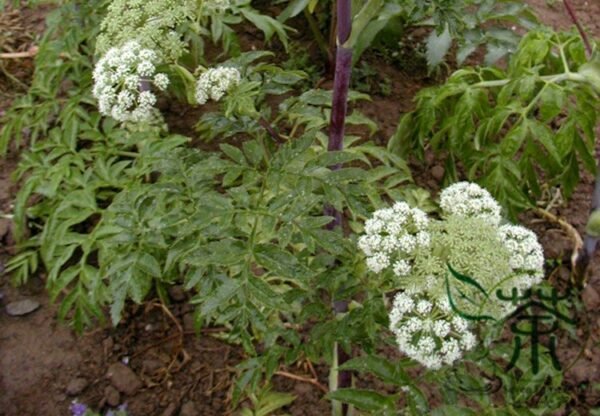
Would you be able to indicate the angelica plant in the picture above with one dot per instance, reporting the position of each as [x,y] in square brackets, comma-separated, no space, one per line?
[498,123]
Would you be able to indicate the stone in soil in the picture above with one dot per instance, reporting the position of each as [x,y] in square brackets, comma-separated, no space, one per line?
[590,297]
[188,322]
[22,307]
[437,172]
[151,366]
[4,227]
[189,409]
[170,410]
[123,379]
[112,396]
[177,293]
[76,386]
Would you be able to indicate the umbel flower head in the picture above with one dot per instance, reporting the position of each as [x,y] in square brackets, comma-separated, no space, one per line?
[153,22]
[426,333]
[121,78]
[215,82]
[470,200]
[416,251]
[216,6]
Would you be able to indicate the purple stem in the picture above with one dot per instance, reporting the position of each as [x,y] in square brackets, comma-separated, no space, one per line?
[267,126]
[573,16]
[586,253]
[341,83]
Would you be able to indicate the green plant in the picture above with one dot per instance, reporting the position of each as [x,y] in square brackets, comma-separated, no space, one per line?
[266,402]
[60,91]
[469,24]
[498,123]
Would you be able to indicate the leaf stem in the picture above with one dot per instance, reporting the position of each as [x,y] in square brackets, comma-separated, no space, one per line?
[567,76]
[321,42]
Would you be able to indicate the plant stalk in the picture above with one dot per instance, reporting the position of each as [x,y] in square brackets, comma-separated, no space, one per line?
[573,16]
[590,243]
[341,84]
[321,42]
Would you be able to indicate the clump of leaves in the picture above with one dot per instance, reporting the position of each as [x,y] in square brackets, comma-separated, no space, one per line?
[469,24]
[62,62]
[499,123]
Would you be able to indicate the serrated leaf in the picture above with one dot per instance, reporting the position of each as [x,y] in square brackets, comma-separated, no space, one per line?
[363,399]
[380,367]
[234,153]
[438,46]
[278,261]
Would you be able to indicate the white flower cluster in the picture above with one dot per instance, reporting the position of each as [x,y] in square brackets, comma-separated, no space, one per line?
[468,199]
[526,254]
[427,336]
[418,250]
[392,236]
[217,6]
[214,83]
[119,79]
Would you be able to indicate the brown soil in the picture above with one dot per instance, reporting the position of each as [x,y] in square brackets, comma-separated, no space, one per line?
[44,366]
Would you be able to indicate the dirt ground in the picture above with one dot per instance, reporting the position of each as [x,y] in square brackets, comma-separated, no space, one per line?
[157,369]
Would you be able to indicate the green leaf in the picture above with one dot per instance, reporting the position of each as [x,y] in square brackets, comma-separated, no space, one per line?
[513,140]
[363,399]
[438,46]
[273,401]
[265,296]
[218,298]
[449,410]
[380,367]
[266,24]
[234,153]
[552,102]
[292,10]
[368,12]
[283,263]
[149,265]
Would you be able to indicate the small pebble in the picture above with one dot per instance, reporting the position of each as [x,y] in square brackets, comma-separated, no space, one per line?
[438,172]
[123,379]
[170,410]
[76,386]
[590,297]
[188,322]
[189,409]
[22,307]
[112,396]
[177,293]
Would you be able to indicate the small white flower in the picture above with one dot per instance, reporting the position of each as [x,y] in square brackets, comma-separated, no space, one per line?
[401,268]
[378,262]
[470,200]
[118,79]
[146,68]
[424,307]
[424,333]
[217,6]
[161,81]
[215,82]
[526,253]
[397,233]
